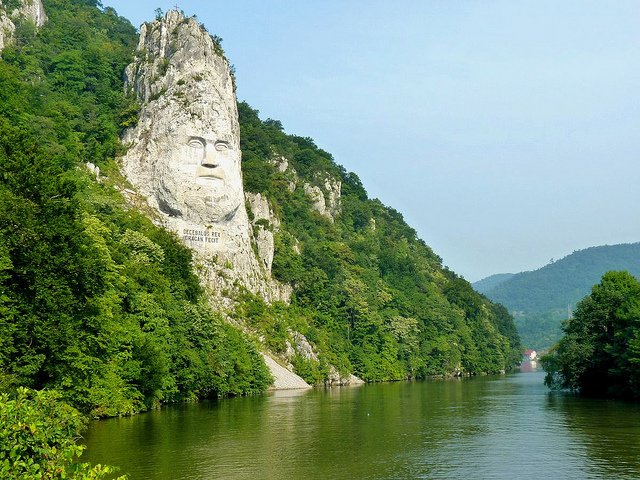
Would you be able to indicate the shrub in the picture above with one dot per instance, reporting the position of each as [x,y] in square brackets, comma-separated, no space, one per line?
[38,435]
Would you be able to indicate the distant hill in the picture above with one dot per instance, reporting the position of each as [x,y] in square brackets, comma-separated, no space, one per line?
[542,298]
[489,283]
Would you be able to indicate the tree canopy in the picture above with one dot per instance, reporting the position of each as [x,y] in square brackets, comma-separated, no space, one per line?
[370,294]
[600,352]
[96,301]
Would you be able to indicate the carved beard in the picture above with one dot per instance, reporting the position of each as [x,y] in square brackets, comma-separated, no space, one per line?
[225,204]
[194,205]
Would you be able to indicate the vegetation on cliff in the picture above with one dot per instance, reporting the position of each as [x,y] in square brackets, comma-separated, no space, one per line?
[599,354]
[370,295]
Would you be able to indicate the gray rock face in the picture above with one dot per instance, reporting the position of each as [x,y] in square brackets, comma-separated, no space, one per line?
[333,188]
[337,380]
[264,223]
[30,10]
[324,195]
[184,153]
[327,202]
[317,198]
[6,30]
[303,348]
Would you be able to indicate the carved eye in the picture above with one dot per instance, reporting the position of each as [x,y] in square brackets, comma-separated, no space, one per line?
[196,143]
[222,146]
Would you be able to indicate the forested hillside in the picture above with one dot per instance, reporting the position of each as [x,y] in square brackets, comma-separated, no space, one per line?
[370,294]
[95,301]
[102,305]
[542,298]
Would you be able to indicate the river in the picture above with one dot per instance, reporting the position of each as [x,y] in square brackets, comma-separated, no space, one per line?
[481,428]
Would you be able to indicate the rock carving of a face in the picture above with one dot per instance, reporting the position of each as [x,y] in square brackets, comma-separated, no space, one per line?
[197,172]
[185,150]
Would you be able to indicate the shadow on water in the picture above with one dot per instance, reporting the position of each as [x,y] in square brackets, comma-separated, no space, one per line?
[607,430]
[491,427]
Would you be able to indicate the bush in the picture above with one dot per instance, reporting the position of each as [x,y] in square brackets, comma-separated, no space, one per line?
[38,436]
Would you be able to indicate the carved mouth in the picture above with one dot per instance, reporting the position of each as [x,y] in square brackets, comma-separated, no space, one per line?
[210,173]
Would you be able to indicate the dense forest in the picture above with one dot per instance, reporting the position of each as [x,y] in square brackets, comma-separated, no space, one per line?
[102,306]
[100,309]
[541,299]
[96,301]
[599,353]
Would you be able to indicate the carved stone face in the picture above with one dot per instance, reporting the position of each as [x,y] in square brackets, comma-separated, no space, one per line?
[197,174]
[184,153]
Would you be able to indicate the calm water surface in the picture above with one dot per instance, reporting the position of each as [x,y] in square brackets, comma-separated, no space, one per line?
[490,427]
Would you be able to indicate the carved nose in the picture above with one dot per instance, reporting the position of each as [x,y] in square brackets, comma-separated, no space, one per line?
[210,159]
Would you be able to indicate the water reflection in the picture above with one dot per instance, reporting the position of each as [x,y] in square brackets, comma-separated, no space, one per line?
[529,366]
[607,430]
[500,427]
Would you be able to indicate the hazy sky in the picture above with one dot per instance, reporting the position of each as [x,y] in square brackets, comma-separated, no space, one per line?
[506,132]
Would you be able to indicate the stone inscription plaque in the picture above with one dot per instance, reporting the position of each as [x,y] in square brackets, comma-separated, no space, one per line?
[202,235]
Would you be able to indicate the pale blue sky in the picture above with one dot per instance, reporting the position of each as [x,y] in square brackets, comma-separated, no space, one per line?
[506,132]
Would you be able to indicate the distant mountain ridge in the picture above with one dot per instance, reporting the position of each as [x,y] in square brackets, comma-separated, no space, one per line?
[541,299]
[492,281]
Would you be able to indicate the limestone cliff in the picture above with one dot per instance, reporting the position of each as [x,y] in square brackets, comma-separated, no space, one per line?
[184,156]
[325,200]
[264,224]
[6,29]
[30,10]
[324,194]
[184,159]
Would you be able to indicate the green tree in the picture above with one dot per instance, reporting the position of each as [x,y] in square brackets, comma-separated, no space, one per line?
[599,353]
[38,435]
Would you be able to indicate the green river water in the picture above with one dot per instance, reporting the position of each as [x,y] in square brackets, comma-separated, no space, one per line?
[478,428]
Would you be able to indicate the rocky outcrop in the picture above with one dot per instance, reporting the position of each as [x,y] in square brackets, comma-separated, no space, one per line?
[282,165]
[184,159]
[6,30]
[30,10]
[336,379]
[264,223]
[94,169]
[326,200]
[184,155]
[317,199]
[324,192]
[332,188]
[301,346]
